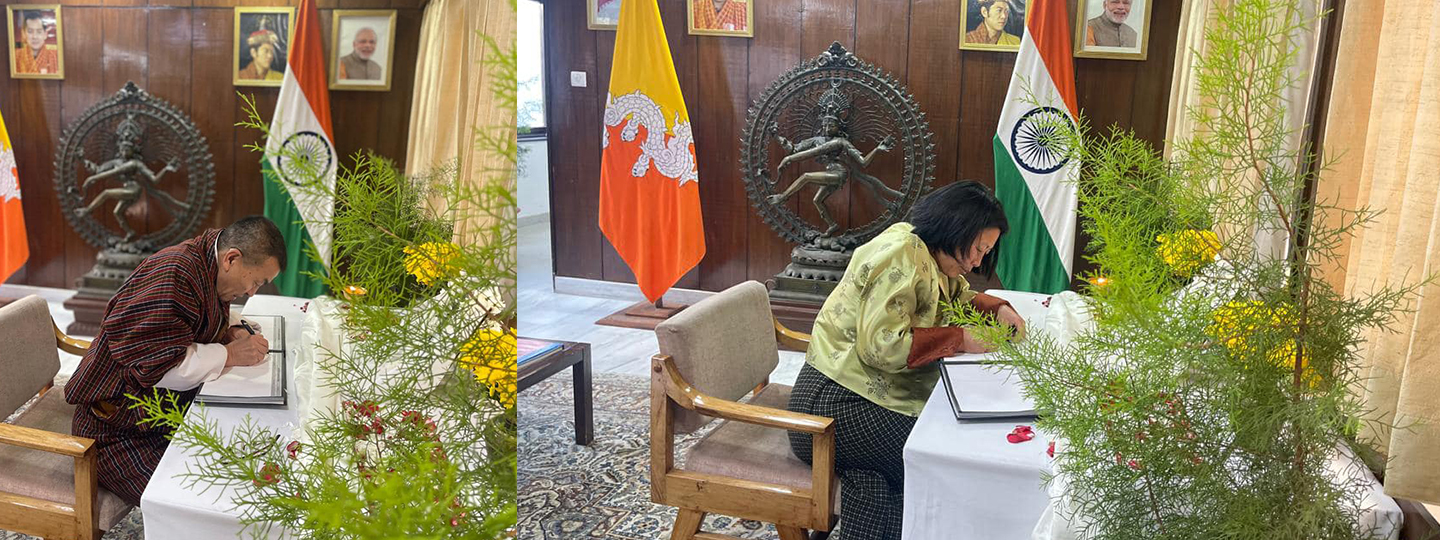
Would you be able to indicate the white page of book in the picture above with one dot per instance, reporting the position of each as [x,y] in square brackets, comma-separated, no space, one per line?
[245,381]
[266,327]
[981,388]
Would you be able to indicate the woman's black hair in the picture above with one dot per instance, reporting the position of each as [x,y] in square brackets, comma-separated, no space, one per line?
[948,220]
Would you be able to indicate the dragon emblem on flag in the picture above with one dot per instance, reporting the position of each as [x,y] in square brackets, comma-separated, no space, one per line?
[672,158]
[9,177]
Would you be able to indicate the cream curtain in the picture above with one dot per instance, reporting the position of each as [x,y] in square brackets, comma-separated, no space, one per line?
[453,94]
[1195,17]
[1384,125]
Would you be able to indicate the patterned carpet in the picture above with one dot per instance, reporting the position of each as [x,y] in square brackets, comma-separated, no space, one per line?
[601,491]
[129,528]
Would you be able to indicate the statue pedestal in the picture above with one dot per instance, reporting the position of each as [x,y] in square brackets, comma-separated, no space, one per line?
[97,287]
[800,290]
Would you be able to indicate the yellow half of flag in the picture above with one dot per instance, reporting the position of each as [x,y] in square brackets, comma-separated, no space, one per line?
[642,62]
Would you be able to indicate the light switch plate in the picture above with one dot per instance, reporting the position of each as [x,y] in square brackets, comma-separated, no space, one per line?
[577,79]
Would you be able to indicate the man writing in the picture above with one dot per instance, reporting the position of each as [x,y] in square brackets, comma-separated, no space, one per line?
[991,30]
[1109,29]
[357,64]
[33,56]
[168,329]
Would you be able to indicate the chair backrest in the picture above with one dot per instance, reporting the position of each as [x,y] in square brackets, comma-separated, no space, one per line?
[29,358]
[723,345]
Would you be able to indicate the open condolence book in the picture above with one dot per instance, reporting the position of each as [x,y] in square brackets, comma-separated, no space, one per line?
[981,391]
[260,385]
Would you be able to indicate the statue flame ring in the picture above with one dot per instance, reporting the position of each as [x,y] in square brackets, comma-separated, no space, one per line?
[164,135]
[878,108]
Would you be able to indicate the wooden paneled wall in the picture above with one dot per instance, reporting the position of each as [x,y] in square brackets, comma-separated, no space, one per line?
[181,51]
[916,41]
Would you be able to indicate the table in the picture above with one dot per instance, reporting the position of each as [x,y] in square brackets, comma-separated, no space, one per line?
[575,356]
[171,510]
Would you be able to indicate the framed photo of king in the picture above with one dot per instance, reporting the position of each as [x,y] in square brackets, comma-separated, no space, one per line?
[992,25]
[36,41]
[1114,29]
[721,17]
[262,38]
[363,49]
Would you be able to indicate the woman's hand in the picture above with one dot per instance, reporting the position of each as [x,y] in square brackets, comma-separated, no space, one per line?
[974,346]
[1007,316]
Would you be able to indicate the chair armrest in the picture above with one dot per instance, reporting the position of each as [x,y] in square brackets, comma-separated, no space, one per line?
[688,397]
[789,338]
[45,441]
[69,344]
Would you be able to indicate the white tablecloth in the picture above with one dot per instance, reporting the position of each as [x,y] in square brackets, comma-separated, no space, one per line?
[172,511]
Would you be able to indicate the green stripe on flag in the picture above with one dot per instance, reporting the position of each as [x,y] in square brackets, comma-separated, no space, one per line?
[280,208]
[1028,258]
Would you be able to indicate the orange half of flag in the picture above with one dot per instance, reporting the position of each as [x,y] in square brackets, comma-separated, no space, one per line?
[14,248]
[649,186]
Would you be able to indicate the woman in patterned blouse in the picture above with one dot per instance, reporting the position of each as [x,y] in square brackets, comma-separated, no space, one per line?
[870,364]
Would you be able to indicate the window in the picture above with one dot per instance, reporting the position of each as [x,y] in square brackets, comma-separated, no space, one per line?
[530,71]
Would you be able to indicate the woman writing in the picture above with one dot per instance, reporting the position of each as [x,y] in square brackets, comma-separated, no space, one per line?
[870,364]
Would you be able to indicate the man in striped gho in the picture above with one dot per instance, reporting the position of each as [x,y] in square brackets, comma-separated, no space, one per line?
[169,329]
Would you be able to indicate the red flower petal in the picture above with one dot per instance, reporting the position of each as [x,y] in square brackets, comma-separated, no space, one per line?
[1051,450]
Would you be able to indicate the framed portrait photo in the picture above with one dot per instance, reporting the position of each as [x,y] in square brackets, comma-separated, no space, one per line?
[1116,29]
[262,37]
[364,48]
[602,14]
[721,17]
[992,25]
[37,41]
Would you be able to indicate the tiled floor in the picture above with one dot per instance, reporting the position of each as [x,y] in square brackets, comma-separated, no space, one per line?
[544,314]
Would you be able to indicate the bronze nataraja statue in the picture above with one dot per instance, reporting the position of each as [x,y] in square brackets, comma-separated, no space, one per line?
[832,149]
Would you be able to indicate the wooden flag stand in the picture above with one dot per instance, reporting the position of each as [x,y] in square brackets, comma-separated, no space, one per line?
[642,315]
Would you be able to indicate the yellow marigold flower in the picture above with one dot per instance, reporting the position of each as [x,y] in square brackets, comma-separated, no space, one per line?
[430,261]
[1284,356]
[1188,250]
[1237,320]
[490,354]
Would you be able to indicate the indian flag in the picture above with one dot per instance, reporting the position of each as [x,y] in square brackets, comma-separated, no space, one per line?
[1033,178]
[301,152]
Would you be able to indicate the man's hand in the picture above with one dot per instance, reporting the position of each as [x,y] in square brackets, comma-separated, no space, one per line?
[1007,316]
[246,350]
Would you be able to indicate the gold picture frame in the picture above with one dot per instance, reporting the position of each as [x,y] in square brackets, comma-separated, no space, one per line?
[1092,17]
[747,31]
[53,21]
[974,13]
[595,21]
[255,29]
[346,26]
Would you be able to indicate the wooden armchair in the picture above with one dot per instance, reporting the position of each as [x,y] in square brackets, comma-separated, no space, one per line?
[711,354]
[48,486]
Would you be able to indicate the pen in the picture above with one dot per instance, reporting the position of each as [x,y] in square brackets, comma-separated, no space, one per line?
[246,324]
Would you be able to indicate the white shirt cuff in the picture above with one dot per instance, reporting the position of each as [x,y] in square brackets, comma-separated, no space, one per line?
[203,363]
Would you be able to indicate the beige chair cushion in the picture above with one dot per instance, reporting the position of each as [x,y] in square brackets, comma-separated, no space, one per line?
[755,453]
[723,345]
[28,358]
[47,476]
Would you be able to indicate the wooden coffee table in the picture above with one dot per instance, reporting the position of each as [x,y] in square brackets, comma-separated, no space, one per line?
[575,356]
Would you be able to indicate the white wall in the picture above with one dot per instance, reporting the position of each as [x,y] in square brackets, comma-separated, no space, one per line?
[534,185]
